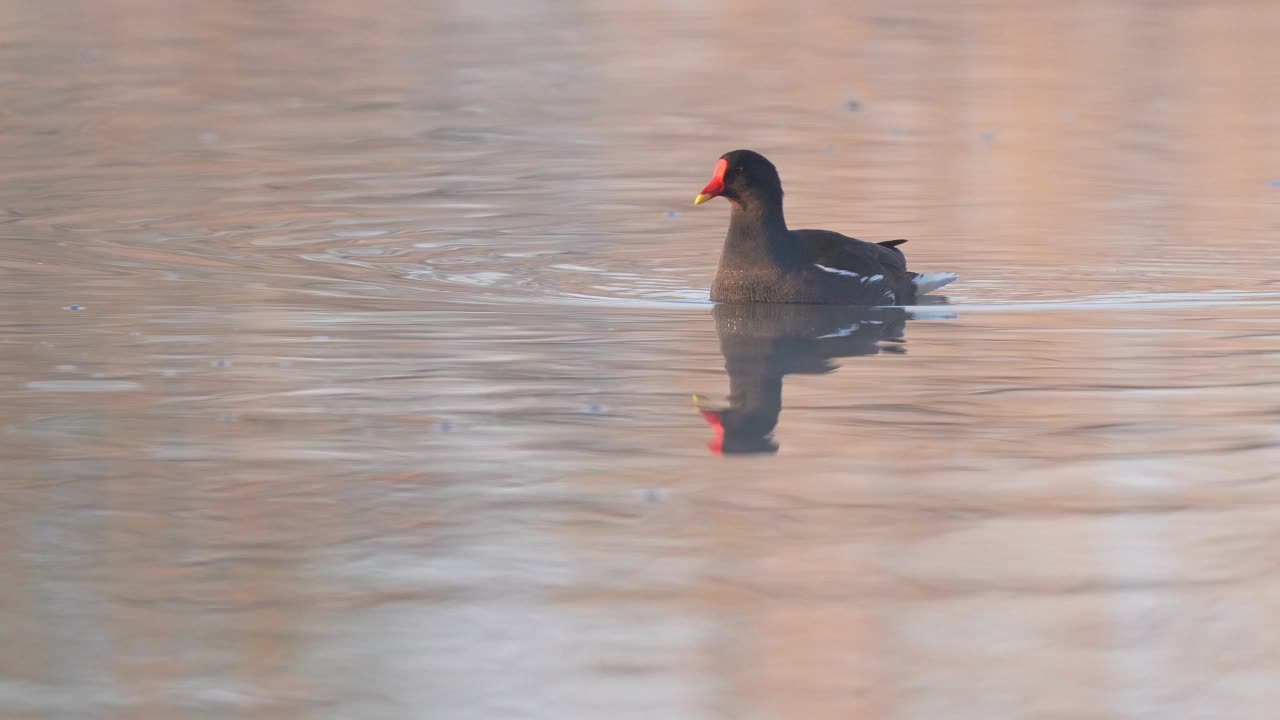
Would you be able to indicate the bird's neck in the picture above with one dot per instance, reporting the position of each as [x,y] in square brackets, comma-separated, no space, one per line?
[757,234]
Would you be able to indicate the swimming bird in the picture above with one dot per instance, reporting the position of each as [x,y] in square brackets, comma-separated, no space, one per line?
[764,262]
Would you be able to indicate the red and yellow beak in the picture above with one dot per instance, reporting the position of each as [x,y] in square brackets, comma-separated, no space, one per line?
[714,188]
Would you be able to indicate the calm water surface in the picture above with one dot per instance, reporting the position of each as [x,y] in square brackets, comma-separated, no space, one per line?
[346,356]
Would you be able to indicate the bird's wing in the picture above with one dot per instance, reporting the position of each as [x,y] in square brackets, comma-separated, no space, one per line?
[840,252]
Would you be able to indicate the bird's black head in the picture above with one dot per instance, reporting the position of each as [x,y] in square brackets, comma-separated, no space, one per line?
[745,178]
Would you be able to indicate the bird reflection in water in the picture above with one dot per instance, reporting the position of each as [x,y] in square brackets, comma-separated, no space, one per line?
[762,343]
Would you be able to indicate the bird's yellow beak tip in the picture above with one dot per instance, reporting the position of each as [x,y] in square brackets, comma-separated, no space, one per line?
[702,198]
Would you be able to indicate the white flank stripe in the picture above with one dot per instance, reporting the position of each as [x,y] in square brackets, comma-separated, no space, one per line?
[842,332]
[835,271]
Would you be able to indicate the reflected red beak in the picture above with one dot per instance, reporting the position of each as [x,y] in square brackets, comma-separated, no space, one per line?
[715,419]
[715,188]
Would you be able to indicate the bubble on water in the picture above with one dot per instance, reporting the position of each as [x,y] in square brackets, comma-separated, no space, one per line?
[320,337]
[853,105]
[442,427]
[221,363]
[987,137]
[672,213]
[899,132]
[74,308]
[654,495]
[597,408]
[208,138]
[1274,183]
[87,55]
[168,373]
[65,368]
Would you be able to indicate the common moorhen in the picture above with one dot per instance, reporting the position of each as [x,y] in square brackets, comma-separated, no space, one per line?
[764,262]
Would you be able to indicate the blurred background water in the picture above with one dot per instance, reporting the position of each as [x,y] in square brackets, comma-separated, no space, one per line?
[346,352]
